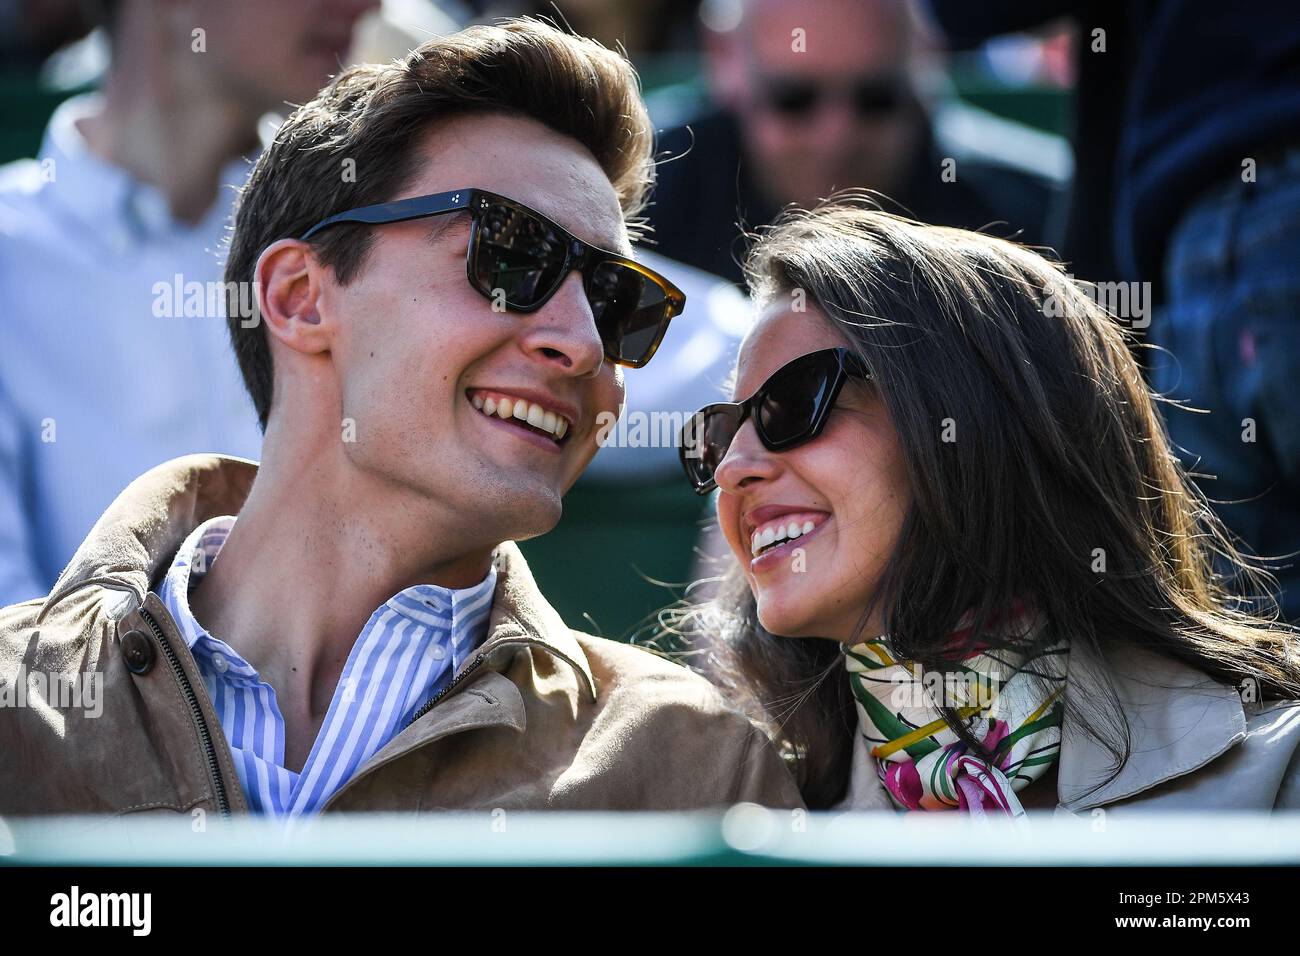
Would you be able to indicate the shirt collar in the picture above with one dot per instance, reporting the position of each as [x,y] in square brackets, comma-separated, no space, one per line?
[467,610]
[464,611]
[134,542]
[192,561]
[109,198]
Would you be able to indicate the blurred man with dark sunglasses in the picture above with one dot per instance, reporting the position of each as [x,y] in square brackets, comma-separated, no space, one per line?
[440,255]
[813,97]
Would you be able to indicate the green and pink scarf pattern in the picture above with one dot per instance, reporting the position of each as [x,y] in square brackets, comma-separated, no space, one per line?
[1014,702]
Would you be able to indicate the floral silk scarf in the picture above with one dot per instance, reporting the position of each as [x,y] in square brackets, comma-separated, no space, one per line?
[1015,705]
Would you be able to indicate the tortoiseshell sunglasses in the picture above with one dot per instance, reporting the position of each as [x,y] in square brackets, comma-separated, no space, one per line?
[521,257]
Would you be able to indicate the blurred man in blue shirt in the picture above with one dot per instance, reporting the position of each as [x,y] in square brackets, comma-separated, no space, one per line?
[114,328]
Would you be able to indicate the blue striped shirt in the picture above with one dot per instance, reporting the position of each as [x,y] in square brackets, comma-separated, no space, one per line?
[408,651]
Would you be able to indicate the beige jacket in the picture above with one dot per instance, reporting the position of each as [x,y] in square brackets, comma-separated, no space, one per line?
[542,717]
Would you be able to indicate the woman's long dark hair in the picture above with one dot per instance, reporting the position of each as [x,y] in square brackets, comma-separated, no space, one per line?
[1039,469]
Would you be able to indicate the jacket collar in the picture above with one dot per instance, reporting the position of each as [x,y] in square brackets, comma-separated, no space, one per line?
[133,543]
[1179,720]
[521,613]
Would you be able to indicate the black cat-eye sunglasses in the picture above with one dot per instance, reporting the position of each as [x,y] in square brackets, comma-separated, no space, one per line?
[789,409]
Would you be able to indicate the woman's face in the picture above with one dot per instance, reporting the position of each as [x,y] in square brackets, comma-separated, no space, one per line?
[849,483]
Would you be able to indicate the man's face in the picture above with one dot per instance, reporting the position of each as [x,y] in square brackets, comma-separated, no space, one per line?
[265,53]
[833,47]
[417,350]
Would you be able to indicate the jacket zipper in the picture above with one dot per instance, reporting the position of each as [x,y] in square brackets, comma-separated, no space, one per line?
[473,666]
[210,751]
[429,704]
[432,702]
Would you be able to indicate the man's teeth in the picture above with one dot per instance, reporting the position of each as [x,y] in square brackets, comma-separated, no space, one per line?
[525,411]
[779,532]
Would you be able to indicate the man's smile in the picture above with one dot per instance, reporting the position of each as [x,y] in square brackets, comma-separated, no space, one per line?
[527,418]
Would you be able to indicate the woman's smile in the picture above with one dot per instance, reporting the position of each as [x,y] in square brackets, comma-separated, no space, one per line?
[769,556]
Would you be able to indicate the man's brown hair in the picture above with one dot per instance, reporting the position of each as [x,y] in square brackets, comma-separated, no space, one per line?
[372,115]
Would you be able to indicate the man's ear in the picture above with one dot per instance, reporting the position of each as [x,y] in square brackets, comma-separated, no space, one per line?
[289,281]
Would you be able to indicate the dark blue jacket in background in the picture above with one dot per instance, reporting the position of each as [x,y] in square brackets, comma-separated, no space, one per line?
[1186,90]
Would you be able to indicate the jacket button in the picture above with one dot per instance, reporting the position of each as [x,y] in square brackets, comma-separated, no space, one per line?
[137,650]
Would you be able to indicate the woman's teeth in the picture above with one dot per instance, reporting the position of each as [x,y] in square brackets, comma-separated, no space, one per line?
[529,412]
[775,533]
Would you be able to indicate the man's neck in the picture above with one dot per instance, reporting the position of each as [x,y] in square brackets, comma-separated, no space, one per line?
[175,138]
[317,547]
